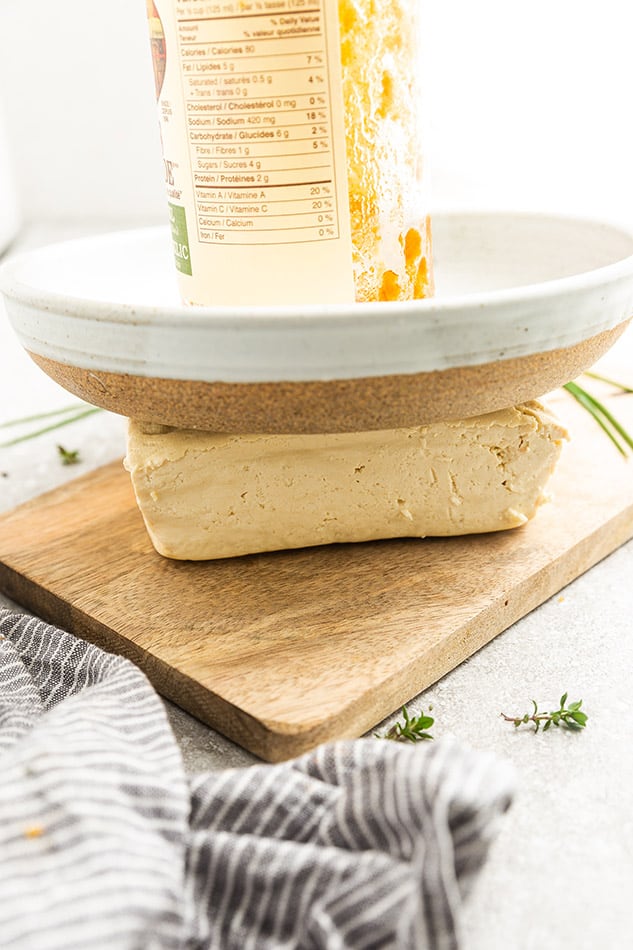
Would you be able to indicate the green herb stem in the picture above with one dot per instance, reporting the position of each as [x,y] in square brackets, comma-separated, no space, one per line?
[24,420]
[601,414]
[51,428]
[600,407]
[413,729]
[570,717]
[611,382]
[68,456]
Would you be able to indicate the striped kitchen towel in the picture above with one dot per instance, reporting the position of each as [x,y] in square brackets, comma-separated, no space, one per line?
[104,842]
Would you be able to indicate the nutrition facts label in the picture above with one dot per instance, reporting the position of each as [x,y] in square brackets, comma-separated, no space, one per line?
[258,109]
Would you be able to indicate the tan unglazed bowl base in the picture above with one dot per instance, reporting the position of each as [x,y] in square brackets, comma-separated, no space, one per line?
[342,405]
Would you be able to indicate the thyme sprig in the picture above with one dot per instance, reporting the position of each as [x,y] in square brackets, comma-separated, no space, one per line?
[605,419]
[64,417]
[569,717]
[413,729]
[68,456]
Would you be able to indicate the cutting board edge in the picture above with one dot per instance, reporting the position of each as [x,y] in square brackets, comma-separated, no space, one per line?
[52,608]
[283,743]
[575,562]
[276,740]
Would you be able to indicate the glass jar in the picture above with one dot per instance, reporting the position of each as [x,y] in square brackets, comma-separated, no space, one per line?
[292,146]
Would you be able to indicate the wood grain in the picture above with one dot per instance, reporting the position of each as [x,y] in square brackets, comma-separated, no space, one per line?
[282,651]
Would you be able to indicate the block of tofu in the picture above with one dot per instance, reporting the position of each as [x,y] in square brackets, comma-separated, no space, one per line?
[204,495]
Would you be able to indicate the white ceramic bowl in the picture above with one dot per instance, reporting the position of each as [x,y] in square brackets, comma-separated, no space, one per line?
[524,302]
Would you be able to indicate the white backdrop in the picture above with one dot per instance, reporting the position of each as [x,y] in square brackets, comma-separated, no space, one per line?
[529,105]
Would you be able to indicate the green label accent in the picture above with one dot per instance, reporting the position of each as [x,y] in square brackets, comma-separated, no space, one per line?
[180,238]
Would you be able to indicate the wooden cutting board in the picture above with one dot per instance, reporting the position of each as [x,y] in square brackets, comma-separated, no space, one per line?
[283,651]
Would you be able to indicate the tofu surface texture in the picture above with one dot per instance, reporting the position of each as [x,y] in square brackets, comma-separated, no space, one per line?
[205,495]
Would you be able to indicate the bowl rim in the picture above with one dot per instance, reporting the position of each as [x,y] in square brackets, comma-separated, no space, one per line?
[346,316]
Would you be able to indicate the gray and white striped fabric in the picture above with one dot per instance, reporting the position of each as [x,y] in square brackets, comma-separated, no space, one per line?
[104,842]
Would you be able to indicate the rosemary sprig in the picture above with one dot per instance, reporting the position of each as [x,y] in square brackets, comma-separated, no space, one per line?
[413,729]
[568,716]
[605,419]
[68,415]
